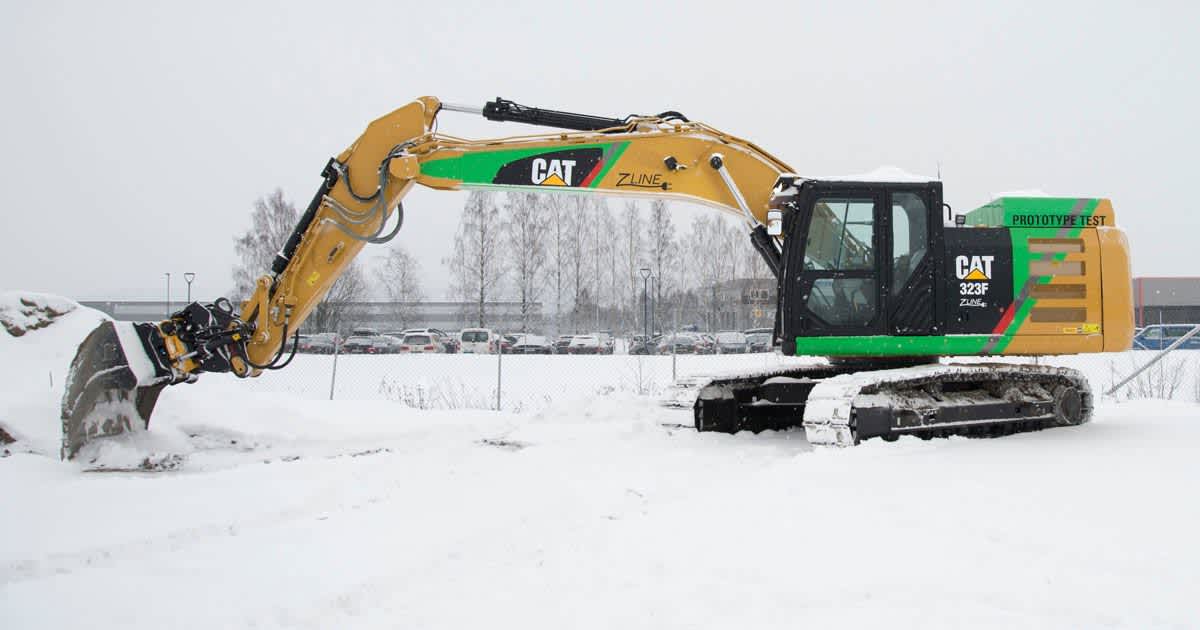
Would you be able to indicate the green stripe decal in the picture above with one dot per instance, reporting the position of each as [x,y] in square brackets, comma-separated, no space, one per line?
[611,155]
[479,168]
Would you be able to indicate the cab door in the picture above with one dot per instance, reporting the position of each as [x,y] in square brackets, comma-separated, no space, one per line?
[914,243]
[836,285]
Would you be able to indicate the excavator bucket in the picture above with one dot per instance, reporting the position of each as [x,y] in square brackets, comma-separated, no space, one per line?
[111,388]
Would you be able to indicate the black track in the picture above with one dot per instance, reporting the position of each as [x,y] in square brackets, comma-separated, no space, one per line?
[1002,400]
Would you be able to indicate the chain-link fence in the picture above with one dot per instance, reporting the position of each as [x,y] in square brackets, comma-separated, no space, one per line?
[531,383]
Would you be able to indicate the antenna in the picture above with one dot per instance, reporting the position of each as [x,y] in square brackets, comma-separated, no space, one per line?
[939,170]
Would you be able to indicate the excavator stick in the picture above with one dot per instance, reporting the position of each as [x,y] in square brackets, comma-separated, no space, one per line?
[112,386]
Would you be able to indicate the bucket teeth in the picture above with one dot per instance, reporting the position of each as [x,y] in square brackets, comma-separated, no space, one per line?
[104,395]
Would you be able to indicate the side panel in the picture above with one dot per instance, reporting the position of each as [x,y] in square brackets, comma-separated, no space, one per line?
[1056,274]
[979,279]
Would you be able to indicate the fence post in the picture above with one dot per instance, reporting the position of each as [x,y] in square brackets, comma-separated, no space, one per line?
[674,337]
[499,368]
[641,379]
[333,376]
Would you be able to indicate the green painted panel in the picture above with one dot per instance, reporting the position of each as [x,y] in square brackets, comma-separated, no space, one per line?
[885,346]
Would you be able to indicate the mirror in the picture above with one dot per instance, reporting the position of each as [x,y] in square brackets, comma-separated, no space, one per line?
[774,222]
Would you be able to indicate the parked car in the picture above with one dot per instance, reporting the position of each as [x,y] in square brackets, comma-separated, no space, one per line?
[448,341]
[361,341]
[453,344]
[319,343]
[607,342]
[586,344]
[562,343]
[677,344]
[1161,336]
[702,343]
[732,342]
[641,345]
[386,344]
[398,334]
[532,344]
[477,341]
[759,342]
[422,343]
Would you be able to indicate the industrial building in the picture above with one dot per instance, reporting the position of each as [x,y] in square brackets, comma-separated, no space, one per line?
[1159,300]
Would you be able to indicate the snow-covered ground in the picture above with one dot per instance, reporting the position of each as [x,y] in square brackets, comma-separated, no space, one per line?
[591,510]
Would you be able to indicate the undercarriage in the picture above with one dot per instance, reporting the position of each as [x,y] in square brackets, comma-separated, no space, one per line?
[843,404]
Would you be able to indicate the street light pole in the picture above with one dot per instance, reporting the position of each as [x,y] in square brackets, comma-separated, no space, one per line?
[646,303]
[168,274]
[189,276]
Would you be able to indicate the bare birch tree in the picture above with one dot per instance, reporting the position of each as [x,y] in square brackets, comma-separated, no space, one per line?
[525,231]
[613,275]
[271,223]
[632,240]
[400,276]
[599,242]
[477,266]
[706,264]
[576,257]
[559,236]
[662,254]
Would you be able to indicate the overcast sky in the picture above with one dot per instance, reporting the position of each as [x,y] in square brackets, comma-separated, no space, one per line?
[137,136]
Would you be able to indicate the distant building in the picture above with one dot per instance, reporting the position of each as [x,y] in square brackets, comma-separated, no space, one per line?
[746,303]
[1166,301]
[505,316]
[134,310]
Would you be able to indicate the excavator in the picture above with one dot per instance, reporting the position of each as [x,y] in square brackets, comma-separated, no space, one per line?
[877,275]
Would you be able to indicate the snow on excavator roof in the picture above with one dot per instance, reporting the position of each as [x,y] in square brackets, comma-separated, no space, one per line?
[888,174]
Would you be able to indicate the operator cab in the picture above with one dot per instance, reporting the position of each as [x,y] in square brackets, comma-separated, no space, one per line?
[861,258]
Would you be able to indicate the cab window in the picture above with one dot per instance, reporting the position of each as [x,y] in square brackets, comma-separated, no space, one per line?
[841,235]
[910,237]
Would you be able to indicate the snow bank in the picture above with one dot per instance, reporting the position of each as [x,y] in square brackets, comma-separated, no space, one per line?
[21,312]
